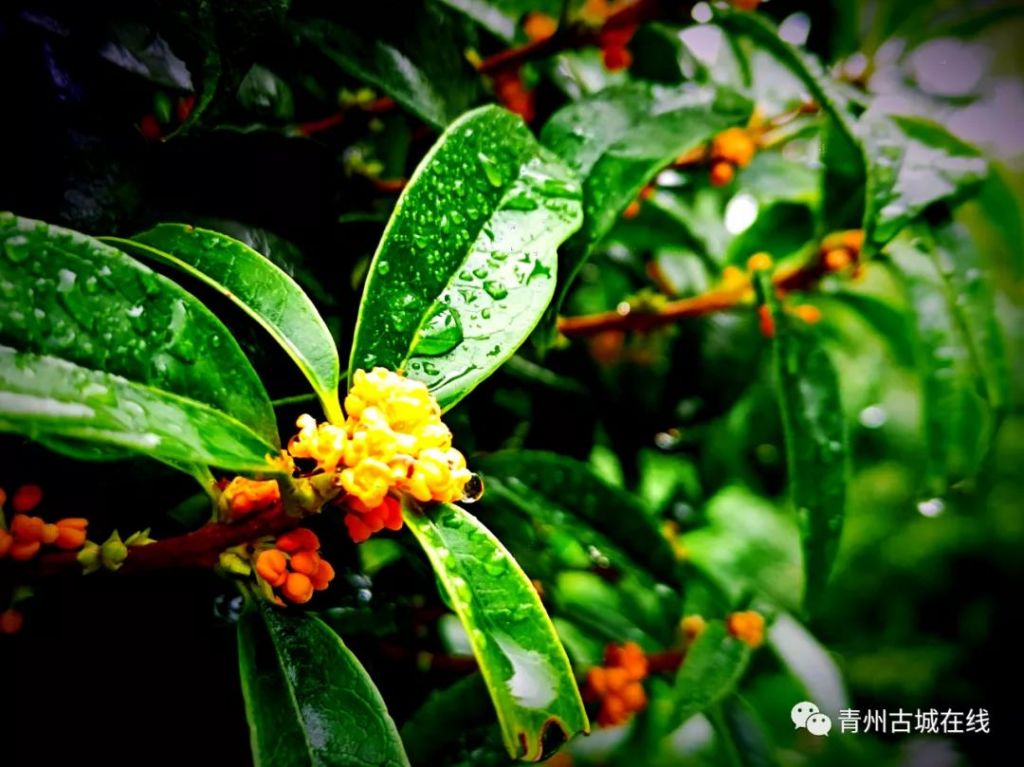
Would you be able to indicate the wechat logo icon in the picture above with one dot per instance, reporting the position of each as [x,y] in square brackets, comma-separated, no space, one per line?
[807,715]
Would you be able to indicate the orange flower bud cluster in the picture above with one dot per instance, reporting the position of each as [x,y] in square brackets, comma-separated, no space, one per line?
[614,44]
[745,5]
[617,684]
[244,496]
[747,626]
[841,249]
[539,26]
[28,534]
[512,93]
[294,566]
[732,148]
[392,440]
[808,313]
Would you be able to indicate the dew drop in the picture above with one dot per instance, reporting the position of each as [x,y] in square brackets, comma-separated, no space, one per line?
[474,489]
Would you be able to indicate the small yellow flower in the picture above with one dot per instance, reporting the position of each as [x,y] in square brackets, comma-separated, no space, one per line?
[325,443]
[369,481]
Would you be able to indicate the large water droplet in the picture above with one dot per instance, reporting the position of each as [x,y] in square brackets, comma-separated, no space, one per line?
[441,332]
[491,169]
[474,489]
[17,248]
[495,289]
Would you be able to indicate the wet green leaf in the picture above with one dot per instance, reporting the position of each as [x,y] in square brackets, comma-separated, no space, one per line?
[522,660]
[413,53]
[42,396]
[73,297]
[817,447]
[308,699]
[467,264]
[260,288]
[619,139]
[710,670]
[552,489]
[448,715]
[914,163]
[957,426]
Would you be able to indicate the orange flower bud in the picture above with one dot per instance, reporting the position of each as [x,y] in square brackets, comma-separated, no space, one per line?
[809,314]
[357,529]
[27,528]
[745,5]
[616,678]
[22,550]
[765,322]
[630,657]
[539,26]
[692,626]
[6,541]
[26,498]
[747,626]
[49,534]
[721,173]
[299,539]
[244,496]
[11,621]
[613,712]
[634,696]
[324,575]
[632,210]
[734,145]
[616,57]
[306,562]
[272,566]
[71,533]
[298,588]
[853,240]
[837,259]
[759,262]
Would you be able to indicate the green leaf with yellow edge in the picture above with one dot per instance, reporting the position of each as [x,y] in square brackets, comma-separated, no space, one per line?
[70,296]
[619,139]
[467,264]
[817,446]
[257,286]
[522,660]
[42,396]
[308,699]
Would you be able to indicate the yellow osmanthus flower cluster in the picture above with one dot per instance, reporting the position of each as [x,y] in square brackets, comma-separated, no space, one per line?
[392,439]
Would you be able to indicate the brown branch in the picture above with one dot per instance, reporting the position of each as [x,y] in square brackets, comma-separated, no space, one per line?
[570,37]
[199,549]
[382,104]
[801,278]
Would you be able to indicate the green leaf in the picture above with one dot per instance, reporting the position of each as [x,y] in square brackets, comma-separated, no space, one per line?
[557,490]
[914,163]
[619,139]
[748,546]
[260,288]
[575,532]
[817,448]
[43,397]
[748,737]
[99,308]
[710,670]
[413,53]
[440,724]
[809,662]
[467,263]
[307,698]
[521,658]
[957,429]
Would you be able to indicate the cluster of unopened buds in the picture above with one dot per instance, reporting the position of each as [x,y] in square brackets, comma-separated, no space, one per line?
[392,441]
[746,626]
[28,534]
[731,149]
[617,684]
[293,567]
[840,250]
